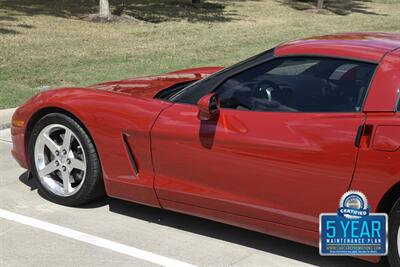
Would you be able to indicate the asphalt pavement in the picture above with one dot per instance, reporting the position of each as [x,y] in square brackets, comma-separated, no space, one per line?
[112,232]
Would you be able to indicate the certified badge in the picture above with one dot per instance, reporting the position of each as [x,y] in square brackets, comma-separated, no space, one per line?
[353,230]
[353,205]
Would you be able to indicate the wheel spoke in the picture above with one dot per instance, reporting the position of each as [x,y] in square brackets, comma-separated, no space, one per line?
[67,140]
[49,168]
[78,164]
[49,143]
[66,182]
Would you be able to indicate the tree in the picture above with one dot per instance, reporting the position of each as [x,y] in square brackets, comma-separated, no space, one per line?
[104,10]
[320,4]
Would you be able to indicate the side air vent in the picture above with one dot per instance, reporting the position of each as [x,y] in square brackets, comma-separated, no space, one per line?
[129,151]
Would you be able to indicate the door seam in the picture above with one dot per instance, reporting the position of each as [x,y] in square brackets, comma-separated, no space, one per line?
[151,154]
[357,154]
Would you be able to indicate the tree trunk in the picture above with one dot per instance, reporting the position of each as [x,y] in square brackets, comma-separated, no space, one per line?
[104,10]
[320,4]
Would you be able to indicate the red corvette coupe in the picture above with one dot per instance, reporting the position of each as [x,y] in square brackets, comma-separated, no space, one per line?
[267,144]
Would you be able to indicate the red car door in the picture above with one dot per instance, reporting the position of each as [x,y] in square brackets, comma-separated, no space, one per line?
[282,149]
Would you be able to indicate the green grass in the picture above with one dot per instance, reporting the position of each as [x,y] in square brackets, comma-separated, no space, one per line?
[44,43]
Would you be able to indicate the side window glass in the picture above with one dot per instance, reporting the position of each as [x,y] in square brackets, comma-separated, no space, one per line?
[299,85]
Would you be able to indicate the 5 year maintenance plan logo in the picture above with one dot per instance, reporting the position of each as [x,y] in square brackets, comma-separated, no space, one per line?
[353,230]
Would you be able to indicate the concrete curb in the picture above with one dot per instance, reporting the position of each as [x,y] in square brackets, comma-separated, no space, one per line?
[5,117]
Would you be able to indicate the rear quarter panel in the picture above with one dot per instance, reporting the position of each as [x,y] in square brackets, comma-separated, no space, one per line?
[378,168]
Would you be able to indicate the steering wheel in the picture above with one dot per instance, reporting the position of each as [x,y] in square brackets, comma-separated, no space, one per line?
[269,90]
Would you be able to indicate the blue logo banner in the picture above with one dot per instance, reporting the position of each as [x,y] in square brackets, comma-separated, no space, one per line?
[364,236]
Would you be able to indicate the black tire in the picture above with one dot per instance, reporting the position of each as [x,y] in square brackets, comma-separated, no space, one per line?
[394,224]
[92,186]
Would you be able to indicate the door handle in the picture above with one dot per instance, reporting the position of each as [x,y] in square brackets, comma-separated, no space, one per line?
[359,135]
[363,136]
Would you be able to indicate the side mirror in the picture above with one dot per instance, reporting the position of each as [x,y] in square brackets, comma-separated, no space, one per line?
[208,107]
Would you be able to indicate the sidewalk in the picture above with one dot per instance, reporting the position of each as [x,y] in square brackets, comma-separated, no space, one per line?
[5,135]
[5,118]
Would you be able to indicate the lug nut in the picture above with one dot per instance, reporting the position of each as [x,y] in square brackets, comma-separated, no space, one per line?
[65,152]
[57,153]
[57,163]
[64,168]
[68,161]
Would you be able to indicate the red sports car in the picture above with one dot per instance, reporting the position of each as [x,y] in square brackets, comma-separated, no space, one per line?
[267,144]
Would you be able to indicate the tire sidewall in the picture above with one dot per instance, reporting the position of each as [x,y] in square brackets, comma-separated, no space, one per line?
[56,118]
[394,224]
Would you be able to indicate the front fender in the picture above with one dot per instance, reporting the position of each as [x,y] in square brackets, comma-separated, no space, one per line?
[106,116]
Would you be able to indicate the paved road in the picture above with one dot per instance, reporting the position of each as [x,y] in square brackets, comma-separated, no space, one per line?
[179,237]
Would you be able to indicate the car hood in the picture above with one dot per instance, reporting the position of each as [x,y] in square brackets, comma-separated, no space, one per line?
[149,86]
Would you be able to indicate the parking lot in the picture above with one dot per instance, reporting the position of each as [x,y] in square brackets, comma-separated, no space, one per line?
[113,232]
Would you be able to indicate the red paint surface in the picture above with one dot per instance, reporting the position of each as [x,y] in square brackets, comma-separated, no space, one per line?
[270,172]
[387,138]
[149,86]
[378,170]
[363,46]
[254,163]
[385,87]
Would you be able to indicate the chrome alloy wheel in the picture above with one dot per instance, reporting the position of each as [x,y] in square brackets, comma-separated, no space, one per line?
[60,160]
